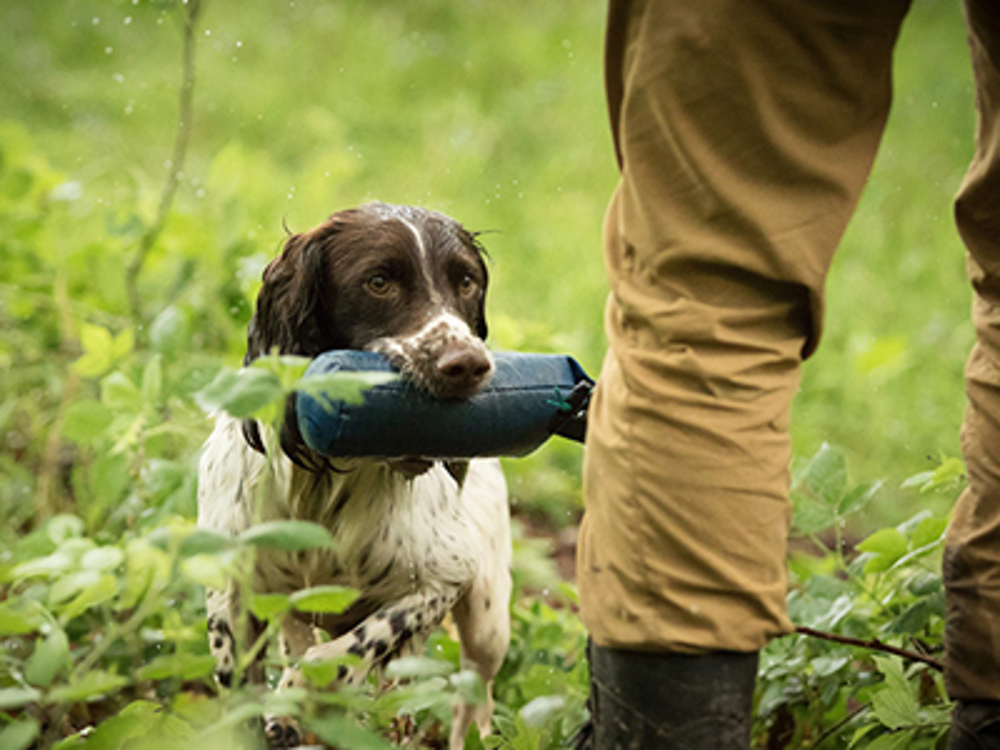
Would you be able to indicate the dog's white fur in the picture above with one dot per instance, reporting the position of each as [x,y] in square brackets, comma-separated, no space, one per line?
[417,538]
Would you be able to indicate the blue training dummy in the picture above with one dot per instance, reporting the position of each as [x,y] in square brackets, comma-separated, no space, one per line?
[530,398]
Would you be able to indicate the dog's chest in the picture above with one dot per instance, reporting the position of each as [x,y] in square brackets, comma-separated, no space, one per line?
[391,536]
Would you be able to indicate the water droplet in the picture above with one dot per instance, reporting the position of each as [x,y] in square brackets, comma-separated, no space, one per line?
[199,193]
[95,20]
[127,21]
[118,78]
[129,109]
[208,32]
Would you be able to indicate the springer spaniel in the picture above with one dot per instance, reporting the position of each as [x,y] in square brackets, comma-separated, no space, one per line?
[418,538]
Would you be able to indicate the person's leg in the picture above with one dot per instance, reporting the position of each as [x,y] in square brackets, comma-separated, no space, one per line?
[972,552]
[745,130]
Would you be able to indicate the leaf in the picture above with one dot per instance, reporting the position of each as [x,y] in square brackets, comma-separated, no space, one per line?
[267,606]
[103,558]
[205,570]
[886,546]
[92,685]
[86,420]
[895,704]
[16,697]
[152,380]
[49,659]
[288,536]
[410,667]
[893,741]
[204,541]
[825,475]
[341,731]
[103,589]
[97,351]
[930,531]
[19,735]
[169,331]
[21,616]
[855,500]
[541,710]
[241,393]
[181,666]
[119,393]
[811,515]
[470,687]
[323,599]
[348,387]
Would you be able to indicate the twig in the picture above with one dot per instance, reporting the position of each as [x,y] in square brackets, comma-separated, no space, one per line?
[181,139]
[874,644]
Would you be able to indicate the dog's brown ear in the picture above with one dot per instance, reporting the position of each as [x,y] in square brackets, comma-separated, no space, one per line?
[293,300]
[293,316]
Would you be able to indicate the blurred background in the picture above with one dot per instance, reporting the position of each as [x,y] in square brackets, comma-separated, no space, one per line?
[492,112]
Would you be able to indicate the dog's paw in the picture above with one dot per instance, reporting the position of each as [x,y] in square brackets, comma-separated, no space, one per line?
[281,732]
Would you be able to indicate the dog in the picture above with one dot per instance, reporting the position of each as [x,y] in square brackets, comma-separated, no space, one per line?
[417,537]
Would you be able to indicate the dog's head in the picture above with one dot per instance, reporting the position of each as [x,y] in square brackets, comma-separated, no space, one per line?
[402,281]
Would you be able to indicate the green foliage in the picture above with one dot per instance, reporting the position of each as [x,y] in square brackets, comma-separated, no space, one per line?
[882,590]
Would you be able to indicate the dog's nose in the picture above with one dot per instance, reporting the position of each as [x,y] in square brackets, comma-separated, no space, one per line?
[464,370]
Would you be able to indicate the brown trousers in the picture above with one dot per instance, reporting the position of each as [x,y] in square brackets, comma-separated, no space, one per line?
[745,131]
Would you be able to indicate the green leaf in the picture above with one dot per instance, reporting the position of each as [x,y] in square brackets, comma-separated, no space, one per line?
[332,599]
[97,351]
[470,687]
[241,393]
[538,712]
[205,570]
[893,741]
[895,704]
[855,500]
[811,515]
[204,541]
[341,731]
[16,697]
[267,606]
[94,684]
[86,420]
[169,331]
[322,672]
[152,380]
[825,475]
[181,666]
[886,546]
[930,531]
[49,660]
[410,667]
[289,536]
[21,616]
[119,393]
[348,387]
[103,589]
[19,735]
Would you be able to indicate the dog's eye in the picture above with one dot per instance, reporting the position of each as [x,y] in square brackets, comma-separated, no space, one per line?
[467,284]
[379,284]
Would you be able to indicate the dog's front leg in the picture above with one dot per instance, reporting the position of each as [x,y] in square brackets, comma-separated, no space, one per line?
[378,638]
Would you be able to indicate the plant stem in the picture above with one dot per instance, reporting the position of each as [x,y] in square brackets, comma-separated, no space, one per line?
[874,644]
[192,10]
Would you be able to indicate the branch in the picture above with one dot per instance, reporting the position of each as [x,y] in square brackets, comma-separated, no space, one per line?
[874,644]
[183,136]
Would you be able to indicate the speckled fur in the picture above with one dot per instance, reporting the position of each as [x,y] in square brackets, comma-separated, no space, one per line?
[417,540]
